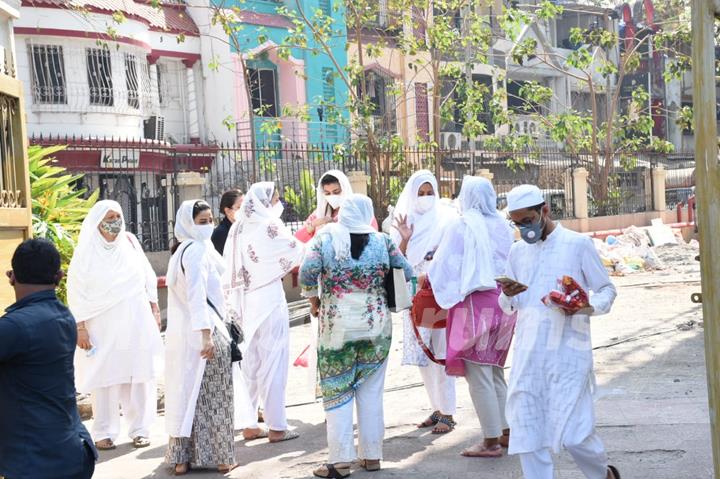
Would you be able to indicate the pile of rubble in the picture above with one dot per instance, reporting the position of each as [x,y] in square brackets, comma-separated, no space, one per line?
[647,249]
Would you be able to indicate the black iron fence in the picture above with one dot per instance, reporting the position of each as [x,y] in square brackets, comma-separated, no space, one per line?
[146,177]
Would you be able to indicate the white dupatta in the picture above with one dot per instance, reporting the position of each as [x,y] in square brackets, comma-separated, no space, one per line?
[465,259]
[428,226]
[345,186]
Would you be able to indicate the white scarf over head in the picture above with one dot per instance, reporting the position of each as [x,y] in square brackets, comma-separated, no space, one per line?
[102,273]
[464,261]
[185,233]
[260,249]
[355,217]
[345,186]
[428,226]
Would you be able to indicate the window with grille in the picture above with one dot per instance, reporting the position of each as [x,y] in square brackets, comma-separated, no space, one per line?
[263,91]
[48,71]
[131,81]
[99,75]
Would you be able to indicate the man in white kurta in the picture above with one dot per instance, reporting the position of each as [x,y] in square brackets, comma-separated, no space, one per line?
[550,402]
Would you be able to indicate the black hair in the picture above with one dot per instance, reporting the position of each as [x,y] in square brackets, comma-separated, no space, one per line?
[198,208]
[228,199]
[537,207]
[329,180]
[36,261]
[358,242]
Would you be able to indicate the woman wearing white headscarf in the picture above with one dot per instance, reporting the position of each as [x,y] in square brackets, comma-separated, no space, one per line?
[112,292]
[333,188]
[260,251]
[420,220]
[343,276]
[198,376]
[472,253]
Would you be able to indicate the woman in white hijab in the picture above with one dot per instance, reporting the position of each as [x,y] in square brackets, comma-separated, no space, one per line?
[260,251]
[112,292]
[342,275]
[420,220]
[472,253]
[198,376]
[332,189]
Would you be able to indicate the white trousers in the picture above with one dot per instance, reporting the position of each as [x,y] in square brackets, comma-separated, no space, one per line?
[589,456]
[265,367]
[488,391]
[139,406]
[440,388]
[370,420]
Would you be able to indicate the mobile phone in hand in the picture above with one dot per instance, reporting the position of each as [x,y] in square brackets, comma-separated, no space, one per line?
[506,281]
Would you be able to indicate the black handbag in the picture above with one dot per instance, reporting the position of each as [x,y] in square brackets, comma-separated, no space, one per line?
[236,334]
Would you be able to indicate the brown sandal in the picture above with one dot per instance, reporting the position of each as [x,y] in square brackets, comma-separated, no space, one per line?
[105,445]
[370,464]
[226,468]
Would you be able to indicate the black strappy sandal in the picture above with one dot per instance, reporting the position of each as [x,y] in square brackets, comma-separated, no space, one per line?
[332,472]
[431,421]
[616,473]
[446,420]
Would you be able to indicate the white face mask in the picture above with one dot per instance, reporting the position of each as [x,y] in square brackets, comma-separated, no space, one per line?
[334,201]
[424,204]
[277,209]
[203,232]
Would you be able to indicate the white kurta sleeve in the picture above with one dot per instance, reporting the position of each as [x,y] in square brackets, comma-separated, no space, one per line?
[196,277]
[598,280]
[507,304]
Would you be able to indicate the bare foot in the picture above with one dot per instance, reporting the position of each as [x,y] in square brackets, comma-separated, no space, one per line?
[225,468]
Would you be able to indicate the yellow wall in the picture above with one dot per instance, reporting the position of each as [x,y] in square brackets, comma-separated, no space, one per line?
[393,60]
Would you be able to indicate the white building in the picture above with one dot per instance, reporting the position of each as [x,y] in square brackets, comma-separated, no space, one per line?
[122,69]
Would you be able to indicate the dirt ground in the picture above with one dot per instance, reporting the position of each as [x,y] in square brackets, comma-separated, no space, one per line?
[651,409]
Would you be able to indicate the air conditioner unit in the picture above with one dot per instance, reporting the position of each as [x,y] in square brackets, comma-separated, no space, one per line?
[450,140]
[154,128]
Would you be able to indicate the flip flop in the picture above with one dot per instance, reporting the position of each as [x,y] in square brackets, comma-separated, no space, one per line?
[287,436]
[493,451]
[261,435]
[616,473]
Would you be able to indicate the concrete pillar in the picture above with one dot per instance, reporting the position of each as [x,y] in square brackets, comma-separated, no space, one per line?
[579,192]
[193,122]
[485,173]
[189,185]
[648,187]
[658,182]
[358,181]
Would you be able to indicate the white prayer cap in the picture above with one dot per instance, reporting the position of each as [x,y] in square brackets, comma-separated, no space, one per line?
[524,196]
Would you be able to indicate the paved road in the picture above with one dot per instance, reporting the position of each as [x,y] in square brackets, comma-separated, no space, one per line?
[652,407]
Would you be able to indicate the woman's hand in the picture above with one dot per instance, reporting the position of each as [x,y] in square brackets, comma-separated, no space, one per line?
[208,346]
[405,230]
[156,313]
[318,223]
[315,306]
[83,338]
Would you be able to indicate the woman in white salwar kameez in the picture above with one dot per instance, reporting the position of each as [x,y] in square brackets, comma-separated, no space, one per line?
[112,292]
[198,376]
[260,251]
[549,402]
[420,220]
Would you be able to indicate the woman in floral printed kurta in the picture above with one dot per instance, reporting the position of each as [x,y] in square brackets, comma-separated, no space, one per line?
[343,275]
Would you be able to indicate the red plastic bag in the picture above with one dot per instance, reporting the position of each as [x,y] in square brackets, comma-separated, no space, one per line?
[569,296]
